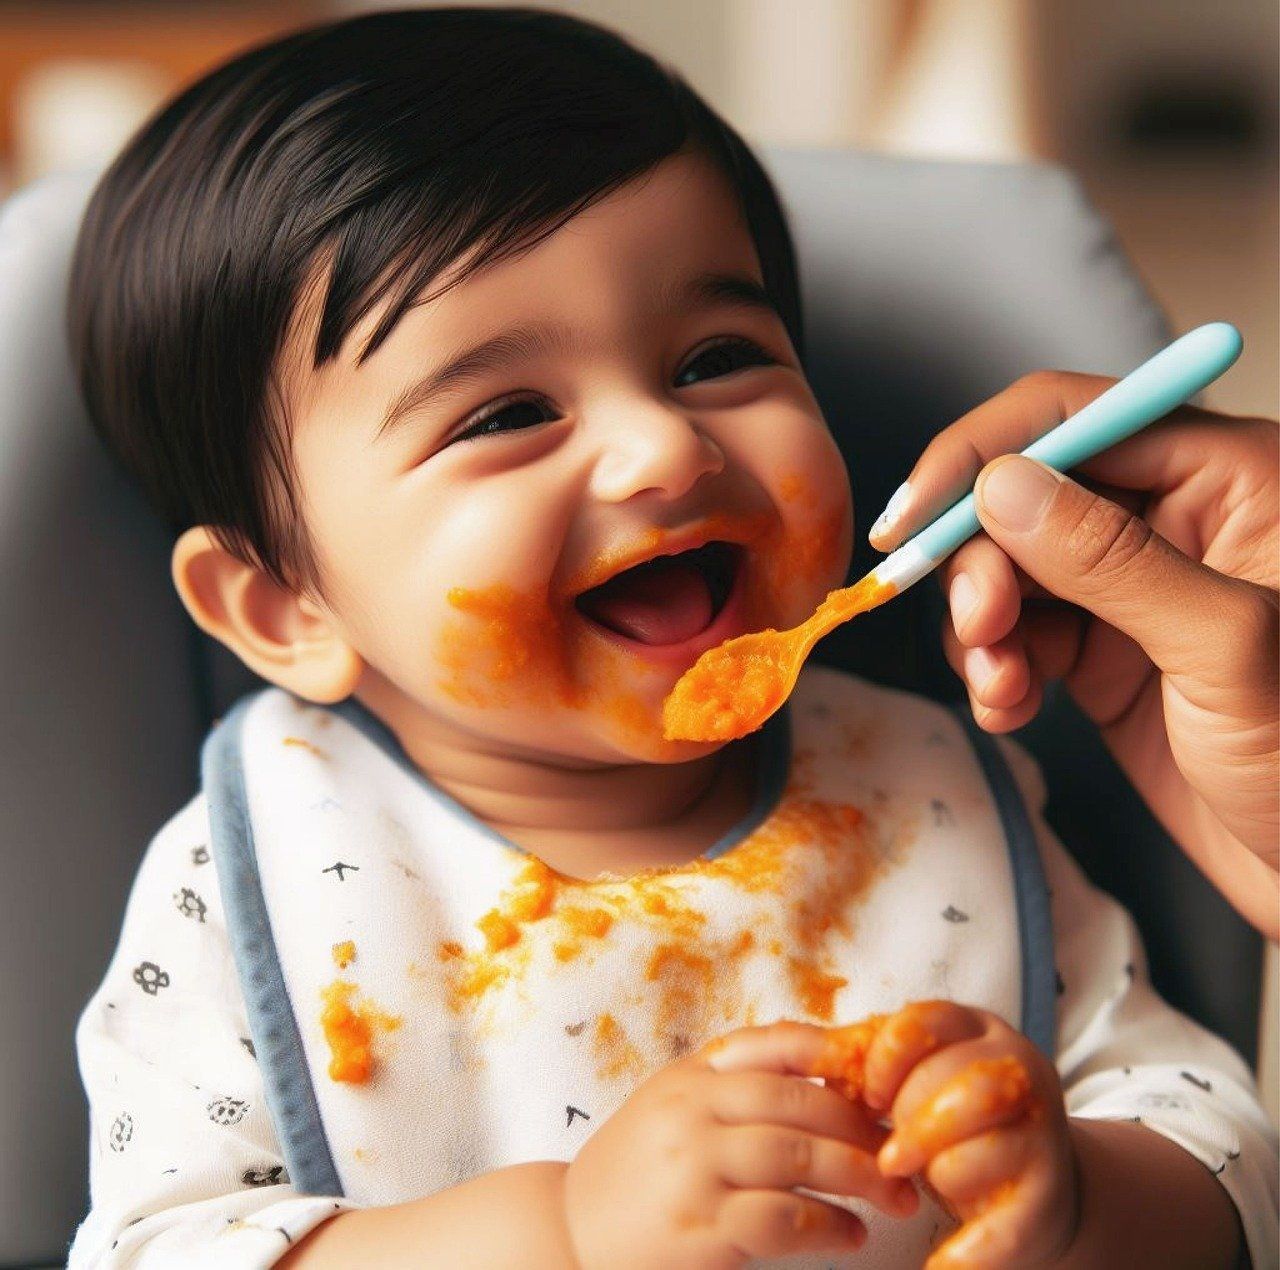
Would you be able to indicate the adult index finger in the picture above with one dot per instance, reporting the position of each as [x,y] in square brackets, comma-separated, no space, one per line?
[1005,424]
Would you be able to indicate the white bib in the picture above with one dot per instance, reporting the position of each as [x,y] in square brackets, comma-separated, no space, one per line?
[509,1012]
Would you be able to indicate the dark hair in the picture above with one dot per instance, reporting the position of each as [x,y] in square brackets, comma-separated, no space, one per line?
[395,143]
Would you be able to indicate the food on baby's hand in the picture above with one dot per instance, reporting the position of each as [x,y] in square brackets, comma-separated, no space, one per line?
[843,1060]
[987,1093]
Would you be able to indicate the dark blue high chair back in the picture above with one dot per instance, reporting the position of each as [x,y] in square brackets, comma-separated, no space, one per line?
[928,287]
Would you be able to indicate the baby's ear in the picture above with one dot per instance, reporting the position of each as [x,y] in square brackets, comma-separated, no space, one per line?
[287,639]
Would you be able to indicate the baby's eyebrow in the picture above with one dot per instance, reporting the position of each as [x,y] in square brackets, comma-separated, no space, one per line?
[704,290]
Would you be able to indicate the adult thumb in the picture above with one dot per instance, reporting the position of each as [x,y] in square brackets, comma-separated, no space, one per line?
[1085,549]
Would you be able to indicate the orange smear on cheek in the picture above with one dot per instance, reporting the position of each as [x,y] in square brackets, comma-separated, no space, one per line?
[792,487]
[511,640]
[514,649]
[804,553]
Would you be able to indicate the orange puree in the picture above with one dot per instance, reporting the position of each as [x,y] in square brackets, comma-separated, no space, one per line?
[582,923]
[996,1087]
[815,988]
[344,954]
[514,648]
[306,745]
[792,486]
[615,1055]
[811,859]
[968,1245]
[732,689]
[842,1063]
[348,1028]
[515,643]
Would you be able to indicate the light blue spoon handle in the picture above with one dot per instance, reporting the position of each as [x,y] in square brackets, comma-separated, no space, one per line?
[1158,386]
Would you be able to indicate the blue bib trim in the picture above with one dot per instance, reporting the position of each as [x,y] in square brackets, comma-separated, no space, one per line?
[1031,891]
[290,1095]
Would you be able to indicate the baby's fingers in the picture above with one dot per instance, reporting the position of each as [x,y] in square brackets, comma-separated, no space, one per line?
[906,1039]
[786,1046]
[775,1223]
[986,1094]
[1011,1223]
[743,1098]
[972,1174]
[754,1157]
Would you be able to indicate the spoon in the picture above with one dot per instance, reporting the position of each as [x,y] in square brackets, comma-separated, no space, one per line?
[732,689]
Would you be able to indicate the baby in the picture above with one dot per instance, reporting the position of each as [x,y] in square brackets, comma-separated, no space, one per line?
[462,349]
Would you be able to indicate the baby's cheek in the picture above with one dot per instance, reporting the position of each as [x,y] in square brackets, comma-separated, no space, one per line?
[497,645]
[809,554]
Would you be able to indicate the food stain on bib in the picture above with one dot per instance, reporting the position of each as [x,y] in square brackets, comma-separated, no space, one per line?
[795,883]
[305,745]
[349,1025]
[614,1053]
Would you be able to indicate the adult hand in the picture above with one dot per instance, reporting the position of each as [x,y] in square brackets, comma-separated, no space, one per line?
[1166,557]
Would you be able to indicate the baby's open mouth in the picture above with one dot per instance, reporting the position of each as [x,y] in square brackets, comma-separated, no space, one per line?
[666,600]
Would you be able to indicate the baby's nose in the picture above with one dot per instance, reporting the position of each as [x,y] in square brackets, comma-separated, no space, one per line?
[654,449]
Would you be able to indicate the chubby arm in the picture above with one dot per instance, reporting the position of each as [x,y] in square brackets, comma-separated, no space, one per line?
[513,1217]
[1144,1201]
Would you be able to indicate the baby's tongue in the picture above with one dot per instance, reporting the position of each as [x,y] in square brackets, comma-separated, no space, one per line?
[664,601]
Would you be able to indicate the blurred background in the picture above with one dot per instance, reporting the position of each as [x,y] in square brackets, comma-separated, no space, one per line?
[1167,109]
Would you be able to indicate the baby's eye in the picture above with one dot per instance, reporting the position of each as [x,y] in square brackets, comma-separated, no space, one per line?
[512,417]
[723,358]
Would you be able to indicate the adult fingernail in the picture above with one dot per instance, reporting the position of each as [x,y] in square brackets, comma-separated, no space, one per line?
[980,667]
[964,599]
[1016,491]
[892,513]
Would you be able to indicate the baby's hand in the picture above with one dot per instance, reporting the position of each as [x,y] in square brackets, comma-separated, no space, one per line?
[696,1169]
[978,1110]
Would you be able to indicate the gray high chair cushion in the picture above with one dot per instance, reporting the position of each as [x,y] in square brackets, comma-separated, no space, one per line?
[928,287]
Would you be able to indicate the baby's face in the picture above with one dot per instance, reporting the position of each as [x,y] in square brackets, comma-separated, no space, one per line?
[536,549]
